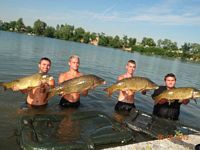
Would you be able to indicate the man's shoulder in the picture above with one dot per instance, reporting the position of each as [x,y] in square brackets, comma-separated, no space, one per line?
[120,77]
[162,87]
[63,74]
[80,74]
[159,90]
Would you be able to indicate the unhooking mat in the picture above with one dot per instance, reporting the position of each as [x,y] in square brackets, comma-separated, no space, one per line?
[82,130]
[157,127]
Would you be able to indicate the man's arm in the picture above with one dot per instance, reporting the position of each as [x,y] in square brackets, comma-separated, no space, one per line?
[84,93]
[157,92]
[52,83]
[185,101]
[61,78]
[15,88]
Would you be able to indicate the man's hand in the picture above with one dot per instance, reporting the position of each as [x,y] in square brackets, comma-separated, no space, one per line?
[44,87]
[129,92]
[84,93]
[15,88]
[185,101]
[62,94]
[162,101]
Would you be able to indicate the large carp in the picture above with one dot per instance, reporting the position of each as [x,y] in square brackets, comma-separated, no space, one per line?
[76,85]
[27,82]
[180,94]
[134,84]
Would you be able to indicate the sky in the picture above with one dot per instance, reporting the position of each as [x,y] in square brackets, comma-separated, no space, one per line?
[177,20]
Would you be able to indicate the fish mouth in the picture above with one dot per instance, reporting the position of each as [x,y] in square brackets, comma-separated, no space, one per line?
[103,82]
[196,94]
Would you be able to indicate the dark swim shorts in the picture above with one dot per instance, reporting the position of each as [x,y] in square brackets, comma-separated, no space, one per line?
[66,103]
[122,106]
[25,106]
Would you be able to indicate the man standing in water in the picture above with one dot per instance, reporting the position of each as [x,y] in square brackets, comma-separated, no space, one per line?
[126,98]
[163,108]
[73,99]
[38,96]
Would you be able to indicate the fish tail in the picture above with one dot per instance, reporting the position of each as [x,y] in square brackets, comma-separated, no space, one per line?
[156,100]
[195,101]
[3,85]
[109,91]
[51,93]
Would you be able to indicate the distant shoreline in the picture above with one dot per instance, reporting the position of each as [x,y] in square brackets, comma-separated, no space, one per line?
[164,48]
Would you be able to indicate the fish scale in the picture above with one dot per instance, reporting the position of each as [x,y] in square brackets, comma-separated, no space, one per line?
[77,85]
[180,93]
[135,84]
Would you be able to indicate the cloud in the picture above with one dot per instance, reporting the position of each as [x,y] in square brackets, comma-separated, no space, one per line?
[171,12]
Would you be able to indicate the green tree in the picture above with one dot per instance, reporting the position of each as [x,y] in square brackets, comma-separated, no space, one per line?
[93,36]
[131,42]
[167,44]
[159,43]
[186,47]
[86,37]
[103,41]
[39,27]
[148,42]
[49,32]
[117,42]
[12,25]
[109,40]
[29,29]
[195,48]
[79,34]
[20,27]
[125,41]
[1,24]
[5,26]
[65,32]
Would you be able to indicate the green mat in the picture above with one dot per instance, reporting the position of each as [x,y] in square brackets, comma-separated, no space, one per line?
[157,127]
[81,130]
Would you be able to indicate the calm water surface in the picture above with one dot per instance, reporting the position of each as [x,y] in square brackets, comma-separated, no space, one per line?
[19,55]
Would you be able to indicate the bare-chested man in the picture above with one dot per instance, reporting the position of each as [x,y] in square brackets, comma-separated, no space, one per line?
[38,95]
[126,98]
[73,99]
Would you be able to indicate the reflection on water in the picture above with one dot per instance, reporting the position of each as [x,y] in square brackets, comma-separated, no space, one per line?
[19,55]
[69,130]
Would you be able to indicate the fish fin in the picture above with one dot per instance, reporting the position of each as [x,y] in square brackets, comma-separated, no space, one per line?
[109,91]
[4,87]
[29,88]
[49,95]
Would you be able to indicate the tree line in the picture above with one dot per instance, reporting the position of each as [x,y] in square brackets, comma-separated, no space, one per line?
[163,47]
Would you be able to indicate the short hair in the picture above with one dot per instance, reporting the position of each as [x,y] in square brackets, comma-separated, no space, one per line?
[74,56]
[44,58]
[132,62]
[170,75]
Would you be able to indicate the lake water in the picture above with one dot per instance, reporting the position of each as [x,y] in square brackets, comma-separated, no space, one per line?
[19,55]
